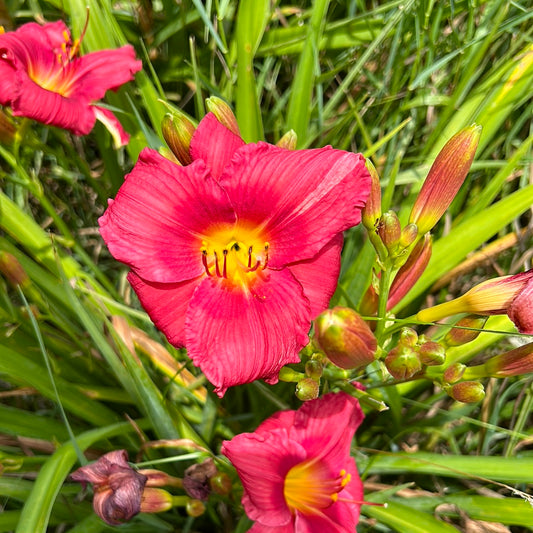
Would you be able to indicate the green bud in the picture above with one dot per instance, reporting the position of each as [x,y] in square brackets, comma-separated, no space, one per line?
[454,373]
[288,141]
[195,508]
[307,389]
[178,131]
[403,362]
[467,391]
[409,235]
[314,369]
[371,212]
[221,484]
[390,231]
[408,337]
[432,353]
[156,500]
[223,113]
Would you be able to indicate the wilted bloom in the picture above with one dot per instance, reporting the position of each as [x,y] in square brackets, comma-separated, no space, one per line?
[297,471]
[196,479]
[233,255]
[118,488]
[508,294]
[345,338]
[42,77]
[445,178]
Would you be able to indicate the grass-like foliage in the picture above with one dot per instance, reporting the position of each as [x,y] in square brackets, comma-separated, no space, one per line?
[83,370]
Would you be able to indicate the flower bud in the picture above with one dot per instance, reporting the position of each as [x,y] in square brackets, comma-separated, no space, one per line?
[314,369]
[390,231]
[445,178]
[177,131]
[12,270]
[7,129]
[345,338]
[371,212]
[156,501]
[467,391]
[196,479]
[307,389]
[157,478]
[288,141]
[410,271]
[195,508]
[458,336]
[408,337]
[403,362]
[369,303]
[221,484]
[223,114]
[432,353]
[454,373]
[409,235]
[513,363]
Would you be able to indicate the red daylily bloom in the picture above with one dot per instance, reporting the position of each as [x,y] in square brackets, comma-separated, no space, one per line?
[43,78]
[233,255]
[296,468]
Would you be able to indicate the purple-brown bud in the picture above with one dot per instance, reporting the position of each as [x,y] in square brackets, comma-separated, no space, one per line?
[196,479]
[467,391]
[445,178]
[307,389]
[12,270]
[371,213]
[403,362]
[390,231]
[345,338]
[432,353]
[177,131]
[288,141]
[458,336]
[223,114]
[454,373]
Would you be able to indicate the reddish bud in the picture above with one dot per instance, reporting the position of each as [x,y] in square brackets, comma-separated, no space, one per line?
[403,362]
[307,389]
[345,338]
[288,141]
[513,363]
[157,478]
[445,178]
[458,336]
[223,113]
[408,337]
[390,231]
[467,391]
[156,501]
[177,131]
[454,373]
[12,270]
[432,353]
[409,235]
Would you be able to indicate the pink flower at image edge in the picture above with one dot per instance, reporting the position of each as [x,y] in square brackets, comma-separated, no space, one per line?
[297,471]
[233,255]
[43,78]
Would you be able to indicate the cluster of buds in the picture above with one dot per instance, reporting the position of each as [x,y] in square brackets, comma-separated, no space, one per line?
[121,492]
[412,354]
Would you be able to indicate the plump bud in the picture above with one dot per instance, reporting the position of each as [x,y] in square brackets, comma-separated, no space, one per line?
[408,337]
[403,362]
[288,141]
[454,373]
[314,369]
[195,508]
[369,304]
[156,501]
[458,336]
[196,479]
[12,270]
[371,213]
[157,478]
[432,353]
[345,338]
[223,113]
[409,235]
[221,484]
[178,131]
[445,178]
[467,391]
[410,271]
[390,231]
[307,389]
[513,363]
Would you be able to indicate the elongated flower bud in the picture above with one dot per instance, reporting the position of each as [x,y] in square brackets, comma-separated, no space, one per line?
[467,391]
[156,501]
[371,213]
[512,363]
[390,231]
[7,129]
[178,131]
[223,113]
[458,336]
[288,141]
[345,338]
[454,373]
[445,178]
[410,271]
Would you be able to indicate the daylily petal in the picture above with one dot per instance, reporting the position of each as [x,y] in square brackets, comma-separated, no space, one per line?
[8,85]
[262,462]
[166,303]
[259,528]
[318,276]
[110,121]
[301,198]
[214,143]
[157,220]
[281,419]
[521,309]
[236,337]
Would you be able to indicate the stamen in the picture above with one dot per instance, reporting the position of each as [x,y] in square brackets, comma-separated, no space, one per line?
[204,262]
[267,246]
[217,269]
[77,42]
[250,257]
[224,272]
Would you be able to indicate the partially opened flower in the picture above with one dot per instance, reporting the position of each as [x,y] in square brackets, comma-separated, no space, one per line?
[296,469]
[233,255]
[508,294]
[42,77]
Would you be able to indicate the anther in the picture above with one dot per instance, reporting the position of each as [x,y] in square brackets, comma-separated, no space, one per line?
[267,246]
[250,257]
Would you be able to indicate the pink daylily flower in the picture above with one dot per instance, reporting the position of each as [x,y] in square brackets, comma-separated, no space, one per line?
[296,468]
[43,78]
[233,255]
[512,295]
